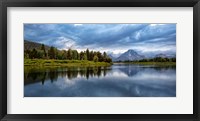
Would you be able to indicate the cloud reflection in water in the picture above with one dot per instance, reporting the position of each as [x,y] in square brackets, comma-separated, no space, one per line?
[115,81]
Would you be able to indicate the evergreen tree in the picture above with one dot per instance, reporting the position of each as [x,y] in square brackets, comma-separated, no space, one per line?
[85,56]
[88,54]
[104,56]
[95,59]
[99,56]
[74,54]
[44,51]
[64,55]
[51,53]
[33,54]
[91,56]
[69,54]
[81,55]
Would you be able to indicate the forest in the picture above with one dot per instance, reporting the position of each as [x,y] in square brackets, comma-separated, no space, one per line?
[54,53]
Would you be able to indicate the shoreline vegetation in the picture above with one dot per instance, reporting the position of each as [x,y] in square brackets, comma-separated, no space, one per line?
[53,62]
[42,55]
[149,63]
[157,61]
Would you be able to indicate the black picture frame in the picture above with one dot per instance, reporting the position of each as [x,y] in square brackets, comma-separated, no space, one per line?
[99,3]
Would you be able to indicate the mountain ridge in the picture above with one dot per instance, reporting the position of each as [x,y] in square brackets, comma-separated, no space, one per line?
[29,45]
[130,55]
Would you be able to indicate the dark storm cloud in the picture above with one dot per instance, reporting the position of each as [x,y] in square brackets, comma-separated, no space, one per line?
[108,37]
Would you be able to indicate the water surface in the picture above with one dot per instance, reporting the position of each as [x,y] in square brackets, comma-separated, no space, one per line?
[118,80]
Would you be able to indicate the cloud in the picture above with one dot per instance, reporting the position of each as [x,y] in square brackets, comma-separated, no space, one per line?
[64,43]
[115,38]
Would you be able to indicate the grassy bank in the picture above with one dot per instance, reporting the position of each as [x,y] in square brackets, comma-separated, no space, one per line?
[156,63]
[42,62]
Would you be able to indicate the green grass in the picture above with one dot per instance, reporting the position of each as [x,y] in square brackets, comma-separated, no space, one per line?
[43,62]
[156,63]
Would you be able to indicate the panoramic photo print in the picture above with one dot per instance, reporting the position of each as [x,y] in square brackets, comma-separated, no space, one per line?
[99,60]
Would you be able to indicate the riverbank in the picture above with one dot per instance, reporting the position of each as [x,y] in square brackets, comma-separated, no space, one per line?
[151,63]
[43,62]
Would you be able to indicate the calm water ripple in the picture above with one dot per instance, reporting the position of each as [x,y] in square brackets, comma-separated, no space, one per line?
[119,80]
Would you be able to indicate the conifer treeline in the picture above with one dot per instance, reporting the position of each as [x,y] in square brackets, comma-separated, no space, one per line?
[159,59]
[54,53]
[156,59]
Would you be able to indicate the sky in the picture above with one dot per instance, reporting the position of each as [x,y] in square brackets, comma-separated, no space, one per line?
[111,38]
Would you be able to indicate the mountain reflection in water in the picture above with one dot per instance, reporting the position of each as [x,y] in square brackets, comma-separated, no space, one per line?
[118,80]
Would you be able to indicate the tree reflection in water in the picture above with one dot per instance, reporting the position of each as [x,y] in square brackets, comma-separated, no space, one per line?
[114,81]
[33,75]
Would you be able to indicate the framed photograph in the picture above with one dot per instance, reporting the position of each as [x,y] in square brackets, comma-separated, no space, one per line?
[99,60]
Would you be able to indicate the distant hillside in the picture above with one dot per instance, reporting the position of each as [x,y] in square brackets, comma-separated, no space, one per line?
[130,55]
[28,45]
[165,55]
[111,56]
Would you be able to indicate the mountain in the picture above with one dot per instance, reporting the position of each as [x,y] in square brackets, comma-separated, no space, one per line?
[28,45]
[112,57]
[130,55]
[165,55]
[161,55]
